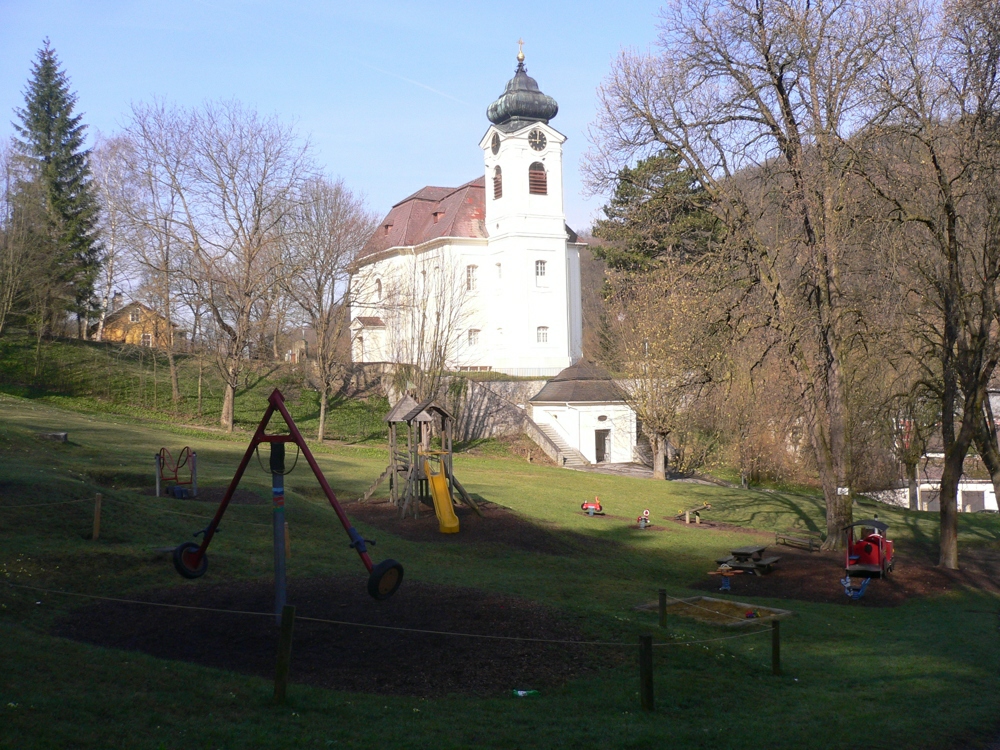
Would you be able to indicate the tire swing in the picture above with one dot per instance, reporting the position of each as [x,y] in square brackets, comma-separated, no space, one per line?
[190,559]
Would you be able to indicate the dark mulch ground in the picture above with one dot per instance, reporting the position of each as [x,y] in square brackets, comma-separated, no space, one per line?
[351,658]
[214,495]
[815,577]
[498,525]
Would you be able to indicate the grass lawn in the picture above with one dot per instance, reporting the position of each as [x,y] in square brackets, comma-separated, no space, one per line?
[922,675]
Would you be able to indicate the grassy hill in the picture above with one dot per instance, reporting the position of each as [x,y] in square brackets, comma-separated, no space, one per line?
[919,675]
[93,376]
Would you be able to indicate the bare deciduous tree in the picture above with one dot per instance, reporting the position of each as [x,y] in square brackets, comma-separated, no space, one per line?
[757,99]
[226,180]
[326,230]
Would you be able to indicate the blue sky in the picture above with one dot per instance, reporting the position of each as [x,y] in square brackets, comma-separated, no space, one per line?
[392,95]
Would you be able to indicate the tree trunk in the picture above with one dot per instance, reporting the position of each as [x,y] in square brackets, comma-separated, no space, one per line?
[986,444]
[322,414]
[658,442]
[175,388]
[953,463]
[228,400]
[911,485]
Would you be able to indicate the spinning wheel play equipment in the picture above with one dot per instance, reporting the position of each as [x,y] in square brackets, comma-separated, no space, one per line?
[189,557]
[169,470]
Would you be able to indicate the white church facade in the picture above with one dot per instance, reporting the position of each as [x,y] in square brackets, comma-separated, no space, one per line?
[485,276]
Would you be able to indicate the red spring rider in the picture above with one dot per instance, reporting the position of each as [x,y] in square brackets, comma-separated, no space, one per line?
[592,508]
[190,559]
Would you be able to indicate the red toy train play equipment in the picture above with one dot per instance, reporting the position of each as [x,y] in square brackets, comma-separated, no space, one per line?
[869,552]
[189,557]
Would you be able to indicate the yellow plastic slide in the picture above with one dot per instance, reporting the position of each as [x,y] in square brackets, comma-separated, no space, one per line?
[443,509]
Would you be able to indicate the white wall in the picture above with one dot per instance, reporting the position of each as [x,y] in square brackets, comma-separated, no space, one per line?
[577,424]
[901,497]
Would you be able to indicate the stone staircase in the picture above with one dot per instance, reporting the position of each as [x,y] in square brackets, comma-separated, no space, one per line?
[568,456]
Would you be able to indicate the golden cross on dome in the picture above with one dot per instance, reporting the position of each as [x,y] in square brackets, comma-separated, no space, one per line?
[520,51]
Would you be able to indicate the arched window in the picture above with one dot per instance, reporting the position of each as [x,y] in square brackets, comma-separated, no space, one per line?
[537,182]
[542,334]
[378,290]
[540,273]
[361,348]
[497,183]
[470,278]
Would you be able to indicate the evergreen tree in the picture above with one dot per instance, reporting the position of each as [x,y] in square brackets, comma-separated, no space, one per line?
[658,209]
[55,173]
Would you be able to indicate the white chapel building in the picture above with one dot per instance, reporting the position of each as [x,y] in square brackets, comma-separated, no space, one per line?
[484,276]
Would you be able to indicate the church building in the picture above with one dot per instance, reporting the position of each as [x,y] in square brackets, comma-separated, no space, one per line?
[484,276]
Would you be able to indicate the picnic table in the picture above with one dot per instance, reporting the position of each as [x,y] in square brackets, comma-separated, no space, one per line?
[749,559]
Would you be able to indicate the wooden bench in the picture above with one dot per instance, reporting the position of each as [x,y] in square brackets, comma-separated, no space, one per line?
[804,538]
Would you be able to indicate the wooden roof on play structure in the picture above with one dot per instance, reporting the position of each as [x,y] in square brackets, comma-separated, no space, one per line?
[408,410]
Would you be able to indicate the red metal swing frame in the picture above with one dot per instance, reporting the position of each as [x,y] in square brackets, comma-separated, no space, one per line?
[192,559]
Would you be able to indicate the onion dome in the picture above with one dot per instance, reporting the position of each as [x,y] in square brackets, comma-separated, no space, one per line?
[521,103]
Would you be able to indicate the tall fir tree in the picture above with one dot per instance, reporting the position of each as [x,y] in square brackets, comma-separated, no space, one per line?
[55,173]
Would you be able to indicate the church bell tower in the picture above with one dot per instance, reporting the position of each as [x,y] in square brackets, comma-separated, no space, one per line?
[537,263]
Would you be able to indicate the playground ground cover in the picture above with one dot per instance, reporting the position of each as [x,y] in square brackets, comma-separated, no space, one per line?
[922,673]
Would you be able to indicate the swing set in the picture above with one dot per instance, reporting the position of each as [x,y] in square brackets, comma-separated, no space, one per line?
[169,470]
[190,557]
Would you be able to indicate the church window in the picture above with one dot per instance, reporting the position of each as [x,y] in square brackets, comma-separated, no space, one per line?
[361,348]
[497,184]
[470,278]
[537,181]
[539,273]
[499,271]
[542,334]
[473,337]
[378,290]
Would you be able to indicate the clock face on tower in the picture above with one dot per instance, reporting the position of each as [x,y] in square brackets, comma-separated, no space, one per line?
[496,144]
[536,139]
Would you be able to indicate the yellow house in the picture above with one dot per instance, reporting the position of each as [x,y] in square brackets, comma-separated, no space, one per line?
[138,325]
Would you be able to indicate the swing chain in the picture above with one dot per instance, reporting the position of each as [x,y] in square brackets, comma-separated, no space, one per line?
[280,473]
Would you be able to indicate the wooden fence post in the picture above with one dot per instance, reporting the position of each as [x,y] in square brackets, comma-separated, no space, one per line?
[284,654]
[663,608]
[97,517]
[646,672]
[776,647]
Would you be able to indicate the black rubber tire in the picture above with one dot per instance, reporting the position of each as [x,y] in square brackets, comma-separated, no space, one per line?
[181,564]
[385,578]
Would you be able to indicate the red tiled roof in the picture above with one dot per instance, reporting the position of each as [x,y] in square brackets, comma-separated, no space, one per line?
[431,213]
[370,322]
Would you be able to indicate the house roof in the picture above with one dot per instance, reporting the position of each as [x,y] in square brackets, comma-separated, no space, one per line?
[581,382]
[370,322]
[434,213]
[110,317]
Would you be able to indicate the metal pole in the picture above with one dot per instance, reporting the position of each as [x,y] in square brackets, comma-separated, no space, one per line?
[278,503]
[776,647]
[284,662]
[646,672]
[156,460]
[194,475]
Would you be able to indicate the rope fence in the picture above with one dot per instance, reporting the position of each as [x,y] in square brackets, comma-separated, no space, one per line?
[372,626]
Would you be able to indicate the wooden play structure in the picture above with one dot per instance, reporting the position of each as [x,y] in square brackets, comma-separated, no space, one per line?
[411,474]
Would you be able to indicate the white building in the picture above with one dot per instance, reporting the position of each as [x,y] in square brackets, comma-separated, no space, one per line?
[485,276]
[581,409]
